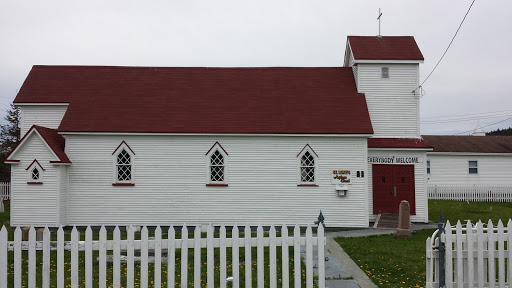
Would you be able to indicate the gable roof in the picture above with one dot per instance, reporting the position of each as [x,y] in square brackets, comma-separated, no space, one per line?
[54,141]
[384,48]
[471,144]
[282,100]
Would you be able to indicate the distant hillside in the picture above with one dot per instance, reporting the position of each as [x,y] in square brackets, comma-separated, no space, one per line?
[499,132]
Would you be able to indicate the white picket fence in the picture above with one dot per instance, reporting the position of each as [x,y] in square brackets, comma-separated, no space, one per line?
[476,256]
[169,245]
[477,193]
[5,190]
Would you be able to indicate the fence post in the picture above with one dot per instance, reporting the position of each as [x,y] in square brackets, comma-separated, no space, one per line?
[441,249]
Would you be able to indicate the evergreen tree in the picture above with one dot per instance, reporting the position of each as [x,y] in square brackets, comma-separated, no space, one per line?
[500,132]
[9,138]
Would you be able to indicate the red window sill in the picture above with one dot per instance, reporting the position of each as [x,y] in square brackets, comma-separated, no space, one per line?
[307,185]
[123,184]
[218,185]
[38,183]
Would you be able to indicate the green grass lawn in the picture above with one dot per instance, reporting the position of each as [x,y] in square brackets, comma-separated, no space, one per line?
[474,211]
[391,262]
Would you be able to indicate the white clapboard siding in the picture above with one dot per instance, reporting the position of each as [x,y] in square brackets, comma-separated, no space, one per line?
[171,173]
[48,116]
[393,108]
[453,169]
[158,244]
[34,204]
[474,193]
[473,254]
[5,190]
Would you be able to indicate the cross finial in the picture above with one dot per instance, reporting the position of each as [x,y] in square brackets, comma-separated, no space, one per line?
[378,18]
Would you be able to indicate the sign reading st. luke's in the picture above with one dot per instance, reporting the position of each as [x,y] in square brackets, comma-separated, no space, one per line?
[340,177]
[393,160]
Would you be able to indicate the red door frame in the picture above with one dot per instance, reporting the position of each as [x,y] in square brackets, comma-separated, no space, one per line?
[386,178]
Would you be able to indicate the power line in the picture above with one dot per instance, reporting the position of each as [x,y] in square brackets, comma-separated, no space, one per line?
[449,45]
[465,119]
[484,126]
[472,114]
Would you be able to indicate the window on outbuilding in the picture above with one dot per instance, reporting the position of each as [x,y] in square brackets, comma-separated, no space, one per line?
[384,72]
[473,167]
[428,166]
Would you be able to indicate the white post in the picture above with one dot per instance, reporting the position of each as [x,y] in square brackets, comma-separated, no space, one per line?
[222,243]
[32,258]
[3,257]
[184,256]
[209,256]
[260,256]
[296,256]
[60,258]
[103,257]
[46,258]
[491,244]
[74,258]
[171,256]
[88,257]
[460,271]
[158,256]
[130,247]
[236,259]
[471,256]
[480,250]
[449,258]
[248,254]
[501,254]
[144,246]
[17,257]
[309,257]
[285,269]
[197,256]
[116,275]
[272,257]
[321,256]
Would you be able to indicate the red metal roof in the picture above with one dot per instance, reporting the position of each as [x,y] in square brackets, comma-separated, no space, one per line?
[55,141]
[472,144]
[384,48]
[282,100]
[398,143]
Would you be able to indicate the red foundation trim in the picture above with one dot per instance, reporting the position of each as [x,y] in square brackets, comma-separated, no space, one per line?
[307,185]
[218,185]
[35,183]
[123,184]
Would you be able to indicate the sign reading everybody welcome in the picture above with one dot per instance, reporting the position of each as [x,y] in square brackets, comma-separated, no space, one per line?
[393,160]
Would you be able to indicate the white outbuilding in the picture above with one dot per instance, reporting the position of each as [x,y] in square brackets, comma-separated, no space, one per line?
[161,145]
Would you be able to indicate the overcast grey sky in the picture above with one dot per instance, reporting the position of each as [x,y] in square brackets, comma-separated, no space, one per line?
[472,79]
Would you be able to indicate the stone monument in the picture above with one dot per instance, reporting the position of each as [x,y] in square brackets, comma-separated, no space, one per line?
[403,230]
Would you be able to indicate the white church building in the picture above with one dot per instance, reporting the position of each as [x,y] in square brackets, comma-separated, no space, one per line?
[162,145]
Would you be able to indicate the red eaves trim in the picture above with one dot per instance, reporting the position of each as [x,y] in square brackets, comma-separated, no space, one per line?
[11,161]
[57,162]
[39,183]
[123,184]
[219,185]
[307,185]
[217,143]
[307,145]
[35,160]
[126,146]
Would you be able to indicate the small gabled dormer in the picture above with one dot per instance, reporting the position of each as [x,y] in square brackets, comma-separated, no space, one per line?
[386,70]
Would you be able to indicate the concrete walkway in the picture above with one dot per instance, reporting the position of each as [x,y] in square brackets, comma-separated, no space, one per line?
[340,270]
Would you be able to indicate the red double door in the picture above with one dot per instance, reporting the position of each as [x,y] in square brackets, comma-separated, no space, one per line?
[391,185]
